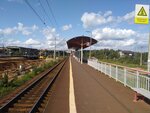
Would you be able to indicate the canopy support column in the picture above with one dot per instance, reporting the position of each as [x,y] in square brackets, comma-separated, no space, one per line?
[81,53]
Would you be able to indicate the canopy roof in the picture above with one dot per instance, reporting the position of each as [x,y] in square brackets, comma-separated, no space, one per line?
[77,42]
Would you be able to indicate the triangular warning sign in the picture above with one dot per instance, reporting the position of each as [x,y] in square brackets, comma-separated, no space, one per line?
[142,12]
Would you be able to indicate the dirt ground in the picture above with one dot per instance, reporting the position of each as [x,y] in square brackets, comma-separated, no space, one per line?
[13,66]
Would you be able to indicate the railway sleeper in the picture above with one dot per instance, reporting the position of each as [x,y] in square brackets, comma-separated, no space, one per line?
[40,110]
[32,95]
[19,110]
[46,98]
[29,98]
[42,105]
[22,105]
[35,91]
[27,101]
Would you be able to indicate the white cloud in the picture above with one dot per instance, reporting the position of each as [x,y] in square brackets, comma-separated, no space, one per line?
[113,34]
[7,31]
[66,27]
[129,17]
[32,42]
[20,28]
[34,27]
[25,32]
[48,42]
[129,42]
[51,35]
[126,39]
[14,43]
[107,13]
[95,19]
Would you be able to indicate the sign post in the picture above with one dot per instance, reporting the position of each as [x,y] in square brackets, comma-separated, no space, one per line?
[142,17]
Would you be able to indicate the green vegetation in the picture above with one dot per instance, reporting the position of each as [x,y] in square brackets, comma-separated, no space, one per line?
[112,56]
[8,86]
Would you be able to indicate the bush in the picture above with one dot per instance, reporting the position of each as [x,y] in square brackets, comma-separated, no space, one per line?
[6,87]
[5,90]
[4,81]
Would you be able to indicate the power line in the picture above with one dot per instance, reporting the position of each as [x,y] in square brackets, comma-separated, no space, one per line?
[45,11]
[35,12]
[52,12]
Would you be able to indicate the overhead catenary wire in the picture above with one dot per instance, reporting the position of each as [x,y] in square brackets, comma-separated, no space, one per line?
[35,12]
[49,6]
[45,12]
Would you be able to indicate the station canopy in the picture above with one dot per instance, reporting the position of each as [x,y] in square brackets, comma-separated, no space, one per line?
[80,41]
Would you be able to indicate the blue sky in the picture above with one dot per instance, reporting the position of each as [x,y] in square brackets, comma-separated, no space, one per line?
[111,22]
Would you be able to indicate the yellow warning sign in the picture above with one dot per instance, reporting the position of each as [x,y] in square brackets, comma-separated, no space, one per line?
[141,14]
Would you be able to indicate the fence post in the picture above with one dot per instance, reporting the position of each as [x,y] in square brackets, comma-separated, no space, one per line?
[137,79]
[101,67]
[148,84]
[97,65]
[125,76]
[110,71]
[116,73]
[105,69]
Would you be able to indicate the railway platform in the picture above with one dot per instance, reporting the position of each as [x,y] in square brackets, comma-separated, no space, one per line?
[82,89]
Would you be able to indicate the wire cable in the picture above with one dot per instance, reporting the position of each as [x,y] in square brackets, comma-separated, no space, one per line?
[45,12]
[52,12]
[35,12]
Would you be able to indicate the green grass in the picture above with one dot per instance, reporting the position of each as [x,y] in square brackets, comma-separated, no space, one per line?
[6,87]
[5,90]
[144,67]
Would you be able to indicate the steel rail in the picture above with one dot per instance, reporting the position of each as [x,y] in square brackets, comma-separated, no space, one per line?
[5,107]
[37,104]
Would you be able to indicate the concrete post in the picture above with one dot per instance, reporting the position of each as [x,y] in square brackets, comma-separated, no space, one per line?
[81,54]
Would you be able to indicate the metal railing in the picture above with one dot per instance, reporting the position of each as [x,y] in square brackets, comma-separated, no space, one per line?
[130,77]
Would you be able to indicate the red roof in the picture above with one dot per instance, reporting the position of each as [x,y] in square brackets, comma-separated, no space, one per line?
[76,42]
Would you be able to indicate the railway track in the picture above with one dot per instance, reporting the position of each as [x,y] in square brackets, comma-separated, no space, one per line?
[34,98]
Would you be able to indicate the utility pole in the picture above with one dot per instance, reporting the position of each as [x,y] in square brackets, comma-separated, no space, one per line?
[148,63]
[141,61]
[63,53]
[82,53]
[55,49]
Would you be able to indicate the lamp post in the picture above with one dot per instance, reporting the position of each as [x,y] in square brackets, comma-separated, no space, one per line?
[90,43]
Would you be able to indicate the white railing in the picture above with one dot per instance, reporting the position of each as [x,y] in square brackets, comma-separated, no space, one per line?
[133,78]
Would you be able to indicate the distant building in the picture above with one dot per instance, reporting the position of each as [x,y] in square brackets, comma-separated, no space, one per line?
[16,51]
[3,51]
[126,53]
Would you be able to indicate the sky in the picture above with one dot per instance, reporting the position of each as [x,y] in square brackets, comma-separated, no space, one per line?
[111,22]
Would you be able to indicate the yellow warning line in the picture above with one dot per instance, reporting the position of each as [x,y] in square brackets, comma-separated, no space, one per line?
[72,104]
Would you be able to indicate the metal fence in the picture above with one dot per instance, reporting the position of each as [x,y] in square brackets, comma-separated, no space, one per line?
[133,78]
